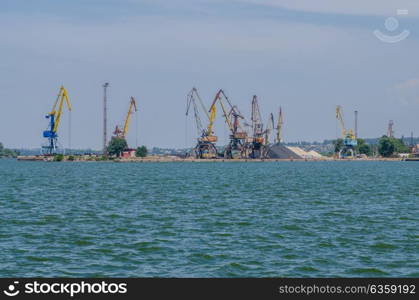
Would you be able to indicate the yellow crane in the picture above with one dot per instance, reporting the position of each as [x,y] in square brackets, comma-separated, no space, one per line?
[54,120]
[132,108]
[205,147]
[345,134]
[233,123]
[349,139]
[238,136]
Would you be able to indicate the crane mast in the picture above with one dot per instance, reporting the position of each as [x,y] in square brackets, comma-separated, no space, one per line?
[279,127]
[54,121]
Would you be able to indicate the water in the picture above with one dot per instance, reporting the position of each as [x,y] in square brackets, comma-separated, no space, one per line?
[311,219]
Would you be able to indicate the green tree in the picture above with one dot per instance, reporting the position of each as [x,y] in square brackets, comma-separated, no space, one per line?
[4,152]
[117,146]
[363,148]
[338,145]
[386,146]
[141,151]
[400,146]
[58,157]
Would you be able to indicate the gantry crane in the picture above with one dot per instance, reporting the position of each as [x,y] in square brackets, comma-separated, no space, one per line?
[205,147]
[349,139]
[237,146]
[54,122]
[278,138]
[132,109]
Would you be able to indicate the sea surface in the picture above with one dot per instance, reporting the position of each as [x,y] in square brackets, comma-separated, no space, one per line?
[258,219]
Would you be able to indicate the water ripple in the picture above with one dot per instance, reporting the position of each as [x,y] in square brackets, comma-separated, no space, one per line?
[204,220]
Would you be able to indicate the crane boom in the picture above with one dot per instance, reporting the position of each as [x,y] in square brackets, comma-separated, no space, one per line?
[192,99]
[339,117]
[234,124]
[219,99]
[62,95]
[132,108]
[213,112]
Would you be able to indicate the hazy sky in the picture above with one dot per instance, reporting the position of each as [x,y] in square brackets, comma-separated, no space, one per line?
[307,56]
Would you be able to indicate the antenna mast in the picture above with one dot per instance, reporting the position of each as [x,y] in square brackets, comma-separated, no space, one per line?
[105,120]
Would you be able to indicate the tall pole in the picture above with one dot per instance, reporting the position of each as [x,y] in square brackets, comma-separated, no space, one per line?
[105,120]
[356,124]
[390,131]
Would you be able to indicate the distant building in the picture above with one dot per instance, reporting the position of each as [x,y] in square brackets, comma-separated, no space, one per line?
[130,153]
[415,150]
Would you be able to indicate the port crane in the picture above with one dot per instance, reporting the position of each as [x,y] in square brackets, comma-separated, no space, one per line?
[259,135]
[205,147]
[54,122]
[278,138]
[237,146]
[269,128]
[349,139]
[122,133]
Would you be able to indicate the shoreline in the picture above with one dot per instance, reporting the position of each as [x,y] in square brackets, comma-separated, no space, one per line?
[167,159]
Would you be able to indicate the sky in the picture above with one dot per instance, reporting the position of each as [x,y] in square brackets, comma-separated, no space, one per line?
[305,56]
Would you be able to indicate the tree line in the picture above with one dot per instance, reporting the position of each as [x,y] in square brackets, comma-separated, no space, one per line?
[4,152]
[387,147]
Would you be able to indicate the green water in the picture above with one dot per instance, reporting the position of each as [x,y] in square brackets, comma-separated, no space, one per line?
[209,219]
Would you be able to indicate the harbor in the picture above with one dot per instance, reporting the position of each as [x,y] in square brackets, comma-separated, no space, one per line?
[249,139]
[231,149]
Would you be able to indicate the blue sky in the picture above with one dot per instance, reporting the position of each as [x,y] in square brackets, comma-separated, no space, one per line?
[303,56]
